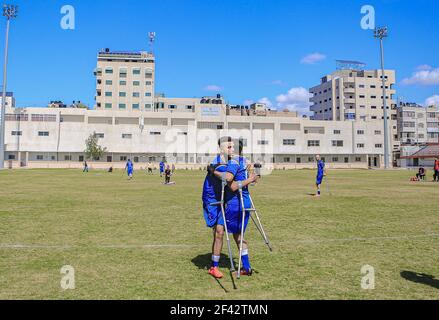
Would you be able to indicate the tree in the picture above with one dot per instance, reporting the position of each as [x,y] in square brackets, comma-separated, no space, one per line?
[93,149]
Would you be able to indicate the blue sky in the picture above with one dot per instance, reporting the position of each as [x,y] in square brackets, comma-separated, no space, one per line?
[249,49]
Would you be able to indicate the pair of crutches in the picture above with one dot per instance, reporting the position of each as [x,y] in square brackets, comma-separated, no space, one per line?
[257,222]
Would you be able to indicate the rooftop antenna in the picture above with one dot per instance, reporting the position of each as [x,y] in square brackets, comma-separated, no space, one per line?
[151,36]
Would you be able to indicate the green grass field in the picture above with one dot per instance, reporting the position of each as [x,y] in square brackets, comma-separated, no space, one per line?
[142,240]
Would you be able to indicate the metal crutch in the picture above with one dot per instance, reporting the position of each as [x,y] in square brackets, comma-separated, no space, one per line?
[259,224]
[221,203]
[242,229]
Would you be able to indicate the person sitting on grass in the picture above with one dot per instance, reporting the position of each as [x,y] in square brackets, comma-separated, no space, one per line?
[421,174]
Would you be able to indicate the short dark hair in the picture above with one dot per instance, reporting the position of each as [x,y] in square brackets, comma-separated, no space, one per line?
[223,140]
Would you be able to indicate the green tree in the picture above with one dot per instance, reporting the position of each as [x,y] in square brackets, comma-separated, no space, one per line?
[93,149]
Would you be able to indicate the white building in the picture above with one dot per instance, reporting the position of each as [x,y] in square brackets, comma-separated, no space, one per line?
[185,131]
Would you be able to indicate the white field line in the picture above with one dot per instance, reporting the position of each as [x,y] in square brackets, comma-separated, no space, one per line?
[187,246]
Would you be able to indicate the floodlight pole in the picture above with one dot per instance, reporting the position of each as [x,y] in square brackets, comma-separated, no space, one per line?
[10,12]
[381,33]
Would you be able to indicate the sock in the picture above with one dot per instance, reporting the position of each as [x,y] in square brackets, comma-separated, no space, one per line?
[245,260]
[318,191]
[215,261]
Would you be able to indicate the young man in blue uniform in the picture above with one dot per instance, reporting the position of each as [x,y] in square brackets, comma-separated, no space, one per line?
[321,173]
[212,192]
[129,168]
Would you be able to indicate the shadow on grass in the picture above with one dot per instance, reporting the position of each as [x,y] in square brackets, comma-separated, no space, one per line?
[204,261]
[421,278]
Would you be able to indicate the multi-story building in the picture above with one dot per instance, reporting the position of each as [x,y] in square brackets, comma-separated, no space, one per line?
[125,81]
[353,95]
[356,95]
[418,124]
[185,132]
[418,131]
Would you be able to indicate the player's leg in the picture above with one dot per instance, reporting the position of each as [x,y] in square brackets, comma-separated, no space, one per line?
[234,215]
[217,247]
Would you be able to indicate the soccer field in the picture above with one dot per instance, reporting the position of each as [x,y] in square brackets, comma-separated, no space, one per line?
[140,239]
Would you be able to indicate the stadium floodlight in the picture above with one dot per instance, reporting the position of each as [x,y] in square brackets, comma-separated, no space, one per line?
[10,11]
[381,33]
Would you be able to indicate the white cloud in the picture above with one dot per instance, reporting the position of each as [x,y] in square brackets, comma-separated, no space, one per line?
[296,99]
[313,58]
[424,67]
[433,100]
[213,87]
[425,76]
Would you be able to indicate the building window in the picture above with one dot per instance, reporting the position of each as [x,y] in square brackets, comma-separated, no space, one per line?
[136,71]
[287,159]
[262,142]
[378,145]
[122,106]
[148,106]
[334,159]
[337,143]
[377,132]
[16,133]
[313,143]
[11,157]
[148,94]
[108,94]
[109,82]
[357,159]
[67,158]
[108,106]
[346,160]
[148,83]
[99,135]
[337,131]
[136,95]
[40,157]
[123,73]
[298,160]
[289,142]
[43,133]
[123,158]
[136,106]
[127,136]
[360,132]
[122,83]
[148,75]
[136,83]
[172,106]
[155,133]
[310,159]
[122,94]
[360,145]
[109,70]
